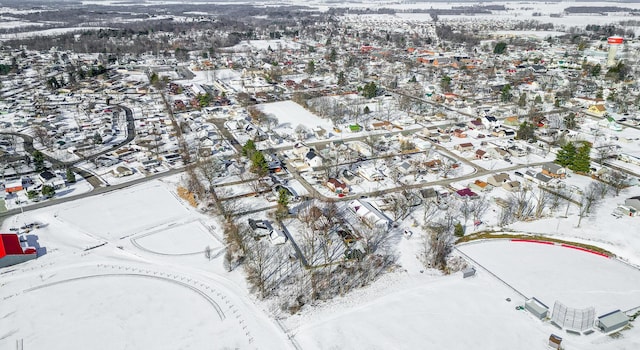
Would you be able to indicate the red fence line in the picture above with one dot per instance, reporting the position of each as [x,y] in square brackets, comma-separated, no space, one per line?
[562,245]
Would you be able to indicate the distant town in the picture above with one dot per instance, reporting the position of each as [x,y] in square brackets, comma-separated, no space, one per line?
[321,149]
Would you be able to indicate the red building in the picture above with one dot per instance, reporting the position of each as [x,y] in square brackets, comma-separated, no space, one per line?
[11,251]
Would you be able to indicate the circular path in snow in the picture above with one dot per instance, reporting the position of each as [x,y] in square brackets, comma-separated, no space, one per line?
[123,311]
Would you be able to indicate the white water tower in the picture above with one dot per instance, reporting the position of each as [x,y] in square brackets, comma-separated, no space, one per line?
[614,42]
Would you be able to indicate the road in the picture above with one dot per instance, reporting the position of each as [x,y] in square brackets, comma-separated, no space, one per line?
[91,178]
[94,192]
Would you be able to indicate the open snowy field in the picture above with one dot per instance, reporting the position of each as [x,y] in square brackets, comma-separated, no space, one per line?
[131,211]
[554,273]
[291,114]
[410,311]
[187,239]
[153,289]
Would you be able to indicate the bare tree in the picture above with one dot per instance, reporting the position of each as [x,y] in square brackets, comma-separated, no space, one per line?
[259,260]
[447,167]
[542,201]
[375,238]
[437,247]
[617,180]
[210,168]
[591,196]
[398,206]
[41,134]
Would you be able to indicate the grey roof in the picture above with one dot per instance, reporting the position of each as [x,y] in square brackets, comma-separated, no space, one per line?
[535,305]
[552,167]
[542,177]
[613,319]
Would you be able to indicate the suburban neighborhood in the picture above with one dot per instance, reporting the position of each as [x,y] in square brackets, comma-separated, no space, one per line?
[306,160]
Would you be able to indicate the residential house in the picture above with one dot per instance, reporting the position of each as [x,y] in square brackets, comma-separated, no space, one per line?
[260,228]
[511,121]
[498,153]
[554,170]
[300,150]
[14,186]
[497,180]
[444,138]
[50,179]
[490,122]
[459,133]
[464,147]
[475,124]
[511,186]
[433,165]
[597,110]
[312,159]
[337,186]
[369,214]
[370,173]
[349,178]
[480,186]
[122,171]
[481,154]
[466,193]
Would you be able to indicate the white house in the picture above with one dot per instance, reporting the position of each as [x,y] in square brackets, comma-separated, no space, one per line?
[370,173]
[369,214]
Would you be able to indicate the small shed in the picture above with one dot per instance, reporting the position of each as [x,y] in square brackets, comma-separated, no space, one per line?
[555,342]
[611,322]
[536,308]
[468,272]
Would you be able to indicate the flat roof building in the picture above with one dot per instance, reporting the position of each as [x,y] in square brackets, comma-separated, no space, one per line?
[611,322]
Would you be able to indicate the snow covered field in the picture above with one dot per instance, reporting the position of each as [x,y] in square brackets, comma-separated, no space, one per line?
[186,239]
[410,311]
[153,289]
[554,273]
[291,114]
[131,212]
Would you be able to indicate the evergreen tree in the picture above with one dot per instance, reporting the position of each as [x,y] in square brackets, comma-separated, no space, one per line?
[342,81]
[311,67]
[582,160]
[249,148]
[38,160]
[500,48]
[48,191]
[283,204]
[505,95]
[445,83]
[259,164]
[522,101]
[526,131]
[538,100]
[370,90]
[71,177]
[333,55]
[566,155]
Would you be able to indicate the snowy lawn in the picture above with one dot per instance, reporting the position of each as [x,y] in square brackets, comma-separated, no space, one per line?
[189,238]
[125,212]
[292,114]
[110,312]
[554,273]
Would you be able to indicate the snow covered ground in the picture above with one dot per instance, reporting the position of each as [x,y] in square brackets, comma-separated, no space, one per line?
[409,311]
[553,273]
[291,114]
[126,270]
